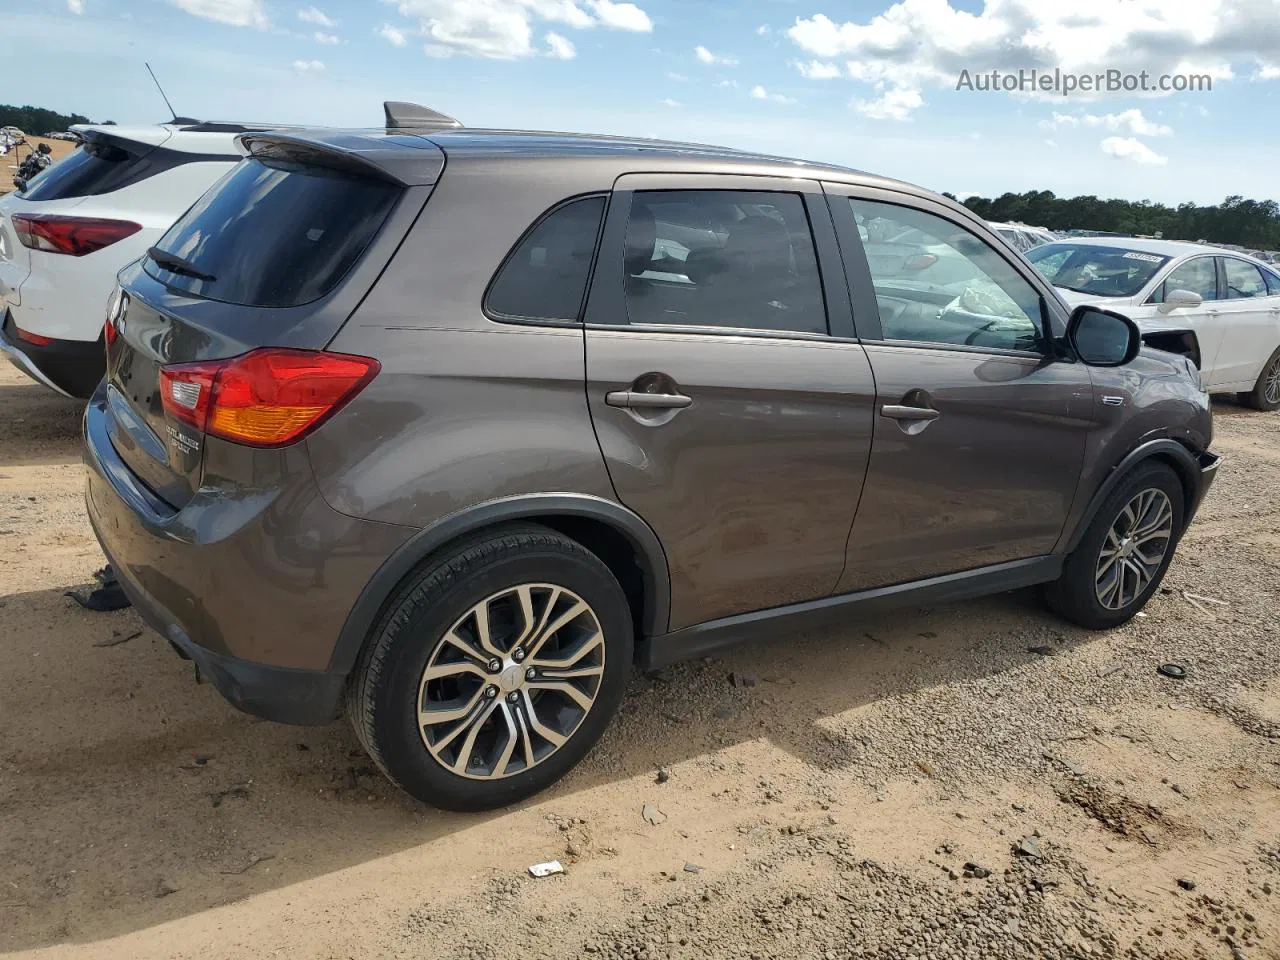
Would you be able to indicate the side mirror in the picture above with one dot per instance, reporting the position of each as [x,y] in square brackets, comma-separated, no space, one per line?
[1180,298]
[1102,338]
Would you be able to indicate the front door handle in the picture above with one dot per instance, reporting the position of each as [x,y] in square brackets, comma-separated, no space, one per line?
[895,411]
[638,400]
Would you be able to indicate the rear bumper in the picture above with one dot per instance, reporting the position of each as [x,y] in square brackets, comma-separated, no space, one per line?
[71,367]
[253,585]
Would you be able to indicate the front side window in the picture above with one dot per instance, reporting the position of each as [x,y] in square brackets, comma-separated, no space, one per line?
[1198,276]
[546,276]
[1244,280]
[722,258]
[1098,271]
[936,282]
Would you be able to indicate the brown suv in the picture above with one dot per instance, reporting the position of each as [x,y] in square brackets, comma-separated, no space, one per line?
[457,426]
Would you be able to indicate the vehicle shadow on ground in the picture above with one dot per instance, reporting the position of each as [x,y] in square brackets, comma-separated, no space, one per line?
[130,796]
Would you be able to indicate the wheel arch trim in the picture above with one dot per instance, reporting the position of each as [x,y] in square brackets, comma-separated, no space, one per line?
[1177,455]
[383,585]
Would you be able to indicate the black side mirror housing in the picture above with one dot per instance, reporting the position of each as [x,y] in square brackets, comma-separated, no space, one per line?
[1103,338]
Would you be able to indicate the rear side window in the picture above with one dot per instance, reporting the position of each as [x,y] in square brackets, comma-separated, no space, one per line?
[546,276]
[274,233]
[1273,282]
[91,169]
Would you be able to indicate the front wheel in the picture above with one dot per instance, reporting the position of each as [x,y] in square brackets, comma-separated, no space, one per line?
[495,671]
[1124,554]
[1265,394]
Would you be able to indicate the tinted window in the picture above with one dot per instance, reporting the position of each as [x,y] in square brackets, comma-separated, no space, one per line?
[1198,276]
[947,287]
[1273,282]
[722,258]
[87,171]
[546,276]
[1243,279]
[275,233]
[1101,271]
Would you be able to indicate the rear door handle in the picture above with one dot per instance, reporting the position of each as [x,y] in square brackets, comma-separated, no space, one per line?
[896,411]
[637,400]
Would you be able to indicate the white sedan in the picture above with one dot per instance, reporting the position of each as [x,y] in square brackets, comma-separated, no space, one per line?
[1230,301]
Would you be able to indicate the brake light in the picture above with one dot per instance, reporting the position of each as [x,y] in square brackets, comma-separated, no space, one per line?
[921,261]
[35,338]
[74,236]
[266,398]
[109,333]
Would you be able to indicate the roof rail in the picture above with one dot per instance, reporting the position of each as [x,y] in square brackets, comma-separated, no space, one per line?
[402,115]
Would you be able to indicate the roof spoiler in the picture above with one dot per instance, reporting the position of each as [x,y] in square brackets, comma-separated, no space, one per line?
[414,116]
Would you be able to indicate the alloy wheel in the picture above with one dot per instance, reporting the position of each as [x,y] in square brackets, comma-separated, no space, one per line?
[511,681]
[1271,385]
[1133,549]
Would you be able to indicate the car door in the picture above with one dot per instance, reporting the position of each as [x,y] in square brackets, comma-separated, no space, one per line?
[979,432]
[1198,275]
[729,417]
[1251,324]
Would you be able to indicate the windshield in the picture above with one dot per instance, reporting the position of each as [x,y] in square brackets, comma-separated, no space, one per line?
[1101,271]
[272,234]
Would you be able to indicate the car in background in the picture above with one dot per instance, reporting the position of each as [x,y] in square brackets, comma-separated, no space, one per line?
[456,428]
[65,237]
[1229,301]
[1022,237]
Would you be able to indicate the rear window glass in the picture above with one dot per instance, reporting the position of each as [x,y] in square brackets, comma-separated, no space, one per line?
[87,171]
[546,276]
[274,234]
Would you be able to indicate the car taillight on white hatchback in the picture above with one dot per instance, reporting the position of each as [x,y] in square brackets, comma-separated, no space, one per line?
[72,236]
[266,398]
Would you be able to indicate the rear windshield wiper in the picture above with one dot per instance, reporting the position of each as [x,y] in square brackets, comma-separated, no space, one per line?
[176,264]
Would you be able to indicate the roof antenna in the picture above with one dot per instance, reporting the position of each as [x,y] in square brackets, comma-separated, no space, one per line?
[173,113]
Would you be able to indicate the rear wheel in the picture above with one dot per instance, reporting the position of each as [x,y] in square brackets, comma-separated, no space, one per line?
[1124,554]
[1265,394]
[495,671]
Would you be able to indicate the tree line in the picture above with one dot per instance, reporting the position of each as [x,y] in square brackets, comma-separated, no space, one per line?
[37,120]
[1249,223]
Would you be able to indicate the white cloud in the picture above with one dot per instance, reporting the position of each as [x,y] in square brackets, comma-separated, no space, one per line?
[816,69]
[668,102]
[727,84]
[392,35]
[915,44]
[1051,144]
[706,56]
[762,30]
[317,16]
[504,29]
[677,77]
[76,6]
[1267,71]
[621,16]
[760,93]
[1128,121]
[327,38]
[308,66]
[896,104]
[560,48]
[1129,148]
[236,13]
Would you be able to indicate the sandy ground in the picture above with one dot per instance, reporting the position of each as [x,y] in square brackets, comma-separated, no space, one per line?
[9,162]
[824,792]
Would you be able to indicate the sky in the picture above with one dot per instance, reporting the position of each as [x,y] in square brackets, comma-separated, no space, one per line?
[862,83]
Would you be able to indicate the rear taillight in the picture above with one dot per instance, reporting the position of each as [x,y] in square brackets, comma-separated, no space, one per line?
[921,261]
[34,338]
[265,398]
[74,236]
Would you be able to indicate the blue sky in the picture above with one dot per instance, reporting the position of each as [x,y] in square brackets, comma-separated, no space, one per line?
[866,84]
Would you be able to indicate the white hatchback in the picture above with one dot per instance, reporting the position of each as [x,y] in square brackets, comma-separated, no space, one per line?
[1230,301]
[65,237]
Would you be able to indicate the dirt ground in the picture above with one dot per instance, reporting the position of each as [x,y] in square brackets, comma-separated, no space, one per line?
[9,162]
[821,797]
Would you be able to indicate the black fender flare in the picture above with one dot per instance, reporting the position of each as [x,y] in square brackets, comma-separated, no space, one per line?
[1184,462]
[529,507]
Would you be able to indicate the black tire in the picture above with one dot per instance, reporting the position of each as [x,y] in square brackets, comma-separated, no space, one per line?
[1257,397]
[382,694]
[1073,596]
